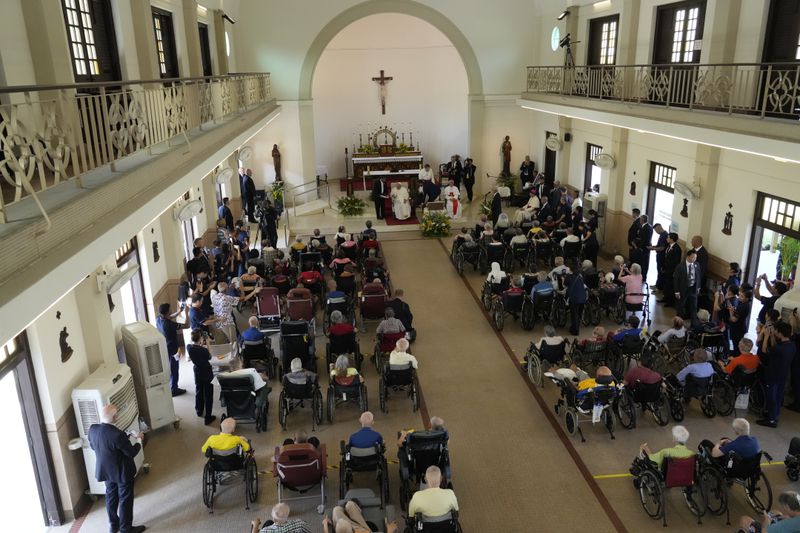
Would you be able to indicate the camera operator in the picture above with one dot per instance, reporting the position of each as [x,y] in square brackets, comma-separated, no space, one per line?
[783,521]
[268,221]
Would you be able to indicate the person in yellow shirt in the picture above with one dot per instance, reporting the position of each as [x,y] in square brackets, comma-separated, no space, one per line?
[225,439]
[433,501]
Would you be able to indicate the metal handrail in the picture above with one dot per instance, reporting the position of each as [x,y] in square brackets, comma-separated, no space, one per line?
[753,89]
[316,189]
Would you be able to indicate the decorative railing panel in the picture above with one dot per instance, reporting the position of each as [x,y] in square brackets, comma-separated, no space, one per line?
[53,134]
[761,90]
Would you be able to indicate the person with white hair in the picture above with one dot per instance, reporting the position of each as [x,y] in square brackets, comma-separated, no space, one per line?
[503,222]
[225,439]
[339,326]
[550,337]
[224,304]
[237,369]
[366,437]
[433,500]
[115,466]
[280,522]
[400,355]
[559,270]
[787,520]
[298,374]
[389,324]
[680,435]
[744,444]
[252,333]
[344,374]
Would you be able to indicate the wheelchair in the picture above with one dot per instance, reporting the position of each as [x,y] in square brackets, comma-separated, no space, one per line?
[492,253]
[649,396]
[469,252]
[295,394]
[559,310]
[543,252]
[535,357]
[609,303]
[572,252]
[633,308]
[421,450]
[384,344]
[355,392]
[344,344]
[728,386]
[259,355]
[652,482]
[242,402]
[398,378]
[542,307]
[519,253]
[518,305]
[581,406]
[447,523]
[375,512]
[355,460]
[624,352]
[713,342]
[792,460]
[672,355]
[220,463]
[300,468]
[592,354]
[701,388]
[343,305]
[490,290]
[717,475]
[297,340]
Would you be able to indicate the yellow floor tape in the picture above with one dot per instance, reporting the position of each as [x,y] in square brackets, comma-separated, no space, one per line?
[615,476]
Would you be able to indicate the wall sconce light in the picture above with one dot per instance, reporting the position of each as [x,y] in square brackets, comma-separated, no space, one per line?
[564,14]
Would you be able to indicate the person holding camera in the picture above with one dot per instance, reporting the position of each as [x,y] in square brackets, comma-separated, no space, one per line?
[203,375]
[780,351]
[773,291]
[787,520]
[169,328]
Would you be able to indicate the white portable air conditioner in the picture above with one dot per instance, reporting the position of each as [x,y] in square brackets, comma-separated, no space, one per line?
[788,302]
[108,384]
[598,202]
[146,355]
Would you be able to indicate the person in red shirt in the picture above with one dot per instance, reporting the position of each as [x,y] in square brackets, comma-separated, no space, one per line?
[745,358]
[642,374]
[309,277]
[370,243]
[338,324]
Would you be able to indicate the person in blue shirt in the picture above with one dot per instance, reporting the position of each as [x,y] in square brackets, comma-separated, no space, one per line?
[632,328]
[780,350]
[744,445]
[199,318]
[545,286]
[169,328]
[366,437]
[700,368]
[252,334]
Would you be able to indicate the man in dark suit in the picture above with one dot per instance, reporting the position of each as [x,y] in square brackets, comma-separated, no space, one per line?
[545,210]
[115,466]
[643,242]
[469,177]
[702,261]
[672,258]
[379,194]
[224,213]
[497,206]
[455,170]
[660,248]
[633,234]
[250,190]
[686,285]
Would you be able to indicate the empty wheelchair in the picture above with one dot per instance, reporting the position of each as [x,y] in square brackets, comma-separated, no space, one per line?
[398,378]
[593,354]
[300,468]
[519,253]
[649,397]
[652,482]
[242,402]
[421,450]
[468,252]
[223,463]
[359,460]
[741,385]
[493,252]
[589,405]
[717,475]
[700,388]
[548,354]
[296,394]
[624,352]
[259,355]
[512,303]
[669,356]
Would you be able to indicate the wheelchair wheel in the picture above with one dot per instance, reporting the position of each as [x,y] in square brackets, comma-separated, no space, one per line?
[483,264]
[607,417]
[283,409]
[382,394]
[498,314]
[625,408]
[527,314]
[343,484]
[328,356]
[209,487]
[326,325]
[363,402]
[615,361]
[715,491]
[571,421]
[586,319]
[651,494]
[759,493]
[724,397]
[660,410]
[486,296]
[261,418]
[535,369]
[619,311]
[707,406]
[251,481]
[414,396]
[676,409]
[460,264]
[693,496]
[792,473]
[508,262]
[405,493]
[359,359]
[331,404]
[316,404]
[376,358]
[559,313]
[383,481]
[594,313]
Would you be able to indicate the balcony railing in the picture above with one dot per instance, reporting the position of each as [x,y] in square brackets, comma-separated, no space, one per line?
[53,134]
[754,89]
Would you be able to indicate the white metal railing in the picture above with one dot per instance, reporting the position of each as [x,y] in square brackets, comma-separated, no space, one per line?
[53,134]
[755,89]
[317,188]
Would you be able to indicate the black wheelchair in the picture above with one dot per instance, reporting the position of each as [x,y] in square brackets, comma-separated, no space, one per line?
[593,354]
[792,460]
[572,252]
[652,482]
[492,253]
[346,344]
[357,460]
[421,450]
[605,302]
[718,474]
[259,355]
[223,463]
[242,402]
[517,304]
[297,340]
[447,523]
[491,290]
[345,305]
[624,352]
[398,378]
[729,388]
[519,253]
[467,252]
[338,394]
[595,404]
[713,342]
[670,356]
[542,307]
[700,388]
[535,357]
[543,253]
[649,396]
[295,394]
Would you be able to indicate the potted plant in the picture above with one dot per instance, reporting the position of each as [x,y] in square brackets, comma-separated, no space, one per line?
[351,206]
[435,224]
[789,249]
[277,195]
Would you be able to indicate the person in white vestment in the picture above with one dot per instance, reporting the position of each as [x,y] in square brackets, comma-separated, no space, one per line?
[401,205]
[525,212]
[452,196]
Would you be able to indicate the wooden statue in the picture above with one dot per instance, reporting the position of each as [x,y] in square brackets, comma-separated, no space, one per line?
[276,162]
[506,149]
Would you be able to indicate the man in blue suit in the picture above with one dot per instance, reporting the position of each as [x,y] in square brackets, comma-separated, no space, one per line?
[115,466]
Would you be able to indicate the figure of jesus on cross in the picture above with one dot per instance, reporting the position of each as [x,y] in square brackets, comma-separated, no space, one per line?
[382,82]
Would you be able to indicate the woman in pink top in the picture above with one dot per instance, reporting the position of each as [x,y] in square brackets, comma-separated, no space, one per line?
[633,284]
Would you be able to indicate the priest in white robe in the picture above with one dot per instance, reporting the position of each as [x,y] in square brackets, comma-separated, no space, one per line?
[452,197]
[525,212]
[401,205]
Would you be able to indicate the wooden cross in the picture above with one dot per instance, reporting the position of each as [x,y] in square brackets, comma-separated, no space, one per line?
[382,82]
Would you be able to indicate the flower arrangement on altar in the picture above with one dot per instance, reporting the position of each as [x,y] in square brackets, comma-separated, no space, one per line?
[351,206]
[486,206]
[367,149]
[435,224]
[277,191]
[403,148]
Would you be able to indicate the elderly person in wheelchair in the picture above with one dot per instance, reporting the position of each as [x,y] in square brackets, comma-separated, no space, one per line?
[787,520]
[433,501]
[680,436]
[280,522]
[228,453]
[744,445]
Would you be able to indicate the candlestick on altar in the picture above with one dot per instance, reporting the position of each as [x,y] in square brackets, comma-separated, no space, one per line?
[411,139]
[360,140]
[403,138]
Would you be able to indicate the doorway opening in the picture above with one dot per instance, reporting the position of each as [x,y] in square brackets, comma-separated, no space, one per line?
[660,200]
[592,173]
[549,159]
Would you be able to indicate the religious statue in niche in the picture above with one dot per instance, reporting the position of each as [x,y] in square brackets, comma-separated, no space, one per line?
[685,210]
[156,255]
[276,162]
[381,81]
[727,224]
[632,191]
[66,349]
[505,148]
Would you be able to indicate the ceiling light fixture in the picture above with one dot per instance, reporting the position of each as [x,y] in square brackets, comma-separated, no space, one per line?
[563,15]
[601,5]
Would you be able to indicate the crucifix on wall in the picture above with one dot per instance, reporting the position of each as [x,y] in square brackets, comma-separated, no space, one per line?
[381,80]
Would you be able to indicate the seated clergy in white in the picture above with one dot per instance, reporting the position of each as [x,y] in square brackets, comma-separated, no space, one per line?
[401,205]
[452,198]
